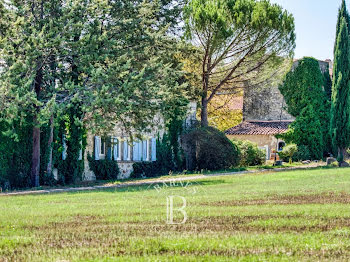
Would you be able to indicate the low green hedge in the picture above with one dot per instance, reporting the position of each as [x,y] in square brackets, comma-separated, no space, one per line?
[104,169]
[146,169]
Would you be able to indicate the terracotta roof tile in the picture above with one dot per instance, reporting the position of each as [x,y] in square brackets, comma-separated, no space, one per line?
[259,128]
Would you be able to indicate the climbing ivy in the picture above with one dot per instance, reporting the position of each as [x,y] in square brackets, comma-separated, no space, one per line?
[15,154]
[71,130]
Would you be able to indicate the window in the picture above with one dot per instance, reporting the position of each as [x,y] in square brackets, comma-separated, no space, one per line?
[145,150]
[100,148]
[153,149]
[126,152]
[64,152]
[103,147]
[117,146]
[265,149]
[281,145]
[81,151]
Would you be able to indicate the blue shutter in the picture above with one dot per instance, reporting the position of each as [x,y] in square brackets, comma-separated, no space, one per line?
[126,151]
[97,147]
[109,148]
[144,150]
[154,149]
[116,148]
[64,152]
[139,151]
[135,152]
[81,151]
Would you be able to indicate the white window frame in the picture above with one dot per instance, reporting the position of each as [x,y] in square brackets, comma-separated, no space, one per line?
[101,156]
[266,149]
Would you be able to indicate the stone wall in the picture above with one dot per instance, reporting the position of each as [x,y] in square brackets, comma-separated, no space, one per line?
[266,103]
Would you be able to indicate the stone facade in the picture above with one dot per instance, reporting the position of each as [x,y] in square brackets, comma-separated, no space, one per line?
[264,104]
[267,103]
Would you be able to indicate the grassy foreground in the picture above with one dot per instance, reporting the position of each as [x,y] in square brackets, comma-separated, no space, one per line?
[296,215]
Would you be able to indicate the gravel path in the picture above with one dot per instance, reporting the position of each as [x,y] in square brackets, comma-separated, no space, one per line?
[153,181]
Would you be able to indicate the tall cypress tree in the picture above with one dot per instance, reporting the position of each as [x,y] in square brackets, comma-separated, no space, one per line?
[343,13]
[340,113]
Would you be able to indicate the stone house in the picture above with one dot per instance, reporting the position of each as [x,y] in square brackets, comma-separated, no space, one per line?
[265,116]
[125,151]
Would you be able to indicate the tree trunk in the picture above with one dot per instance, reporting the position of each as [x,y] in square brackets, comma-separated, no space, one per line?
[35,154]
[341,155]
[36,129]
[204,113]
[49,164]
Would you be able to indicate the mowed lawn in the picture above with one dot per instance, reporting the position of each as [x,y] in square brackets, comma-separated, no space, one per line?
[296,215]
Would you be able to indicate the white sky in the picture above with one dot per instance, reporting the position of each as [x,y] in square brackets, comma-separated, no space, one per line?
[315,22]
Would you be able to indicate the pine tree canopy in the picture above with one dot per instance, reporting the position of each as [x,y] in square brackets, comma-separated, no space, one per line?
[241,42]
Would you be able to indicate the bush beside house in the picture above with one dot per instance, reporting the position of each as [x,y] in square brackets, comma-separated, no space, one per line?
[105,169]
[212,149]
[249,153]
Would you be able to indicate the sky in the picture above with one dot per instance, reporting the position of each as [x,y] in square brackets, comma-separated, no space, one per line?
[315,22]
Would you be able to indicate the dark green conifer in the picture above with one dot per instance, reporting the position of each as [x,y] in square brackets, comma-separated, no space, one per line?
[340,112]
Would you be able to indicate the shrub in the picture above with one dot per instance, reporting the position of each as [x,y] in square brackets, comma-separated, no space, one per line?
[289,151]
[250,154]
[146,169]
[104,169]
[212,149]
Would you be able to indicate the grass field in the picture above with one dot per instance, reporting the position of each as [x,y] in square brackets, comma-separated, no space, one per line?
[296,215]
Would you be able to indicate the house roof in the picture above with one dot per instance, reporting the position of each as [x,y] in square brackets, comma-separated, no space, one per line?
[259,128]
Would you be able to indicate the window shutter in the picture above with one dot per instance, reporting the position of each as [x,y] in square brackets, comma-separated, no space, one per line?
[81,151]
[154,149]
[64,152]
[115,148]
[126,151]
[144,150]
[139,144]
[135,152]
[97,147]
[109,146]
